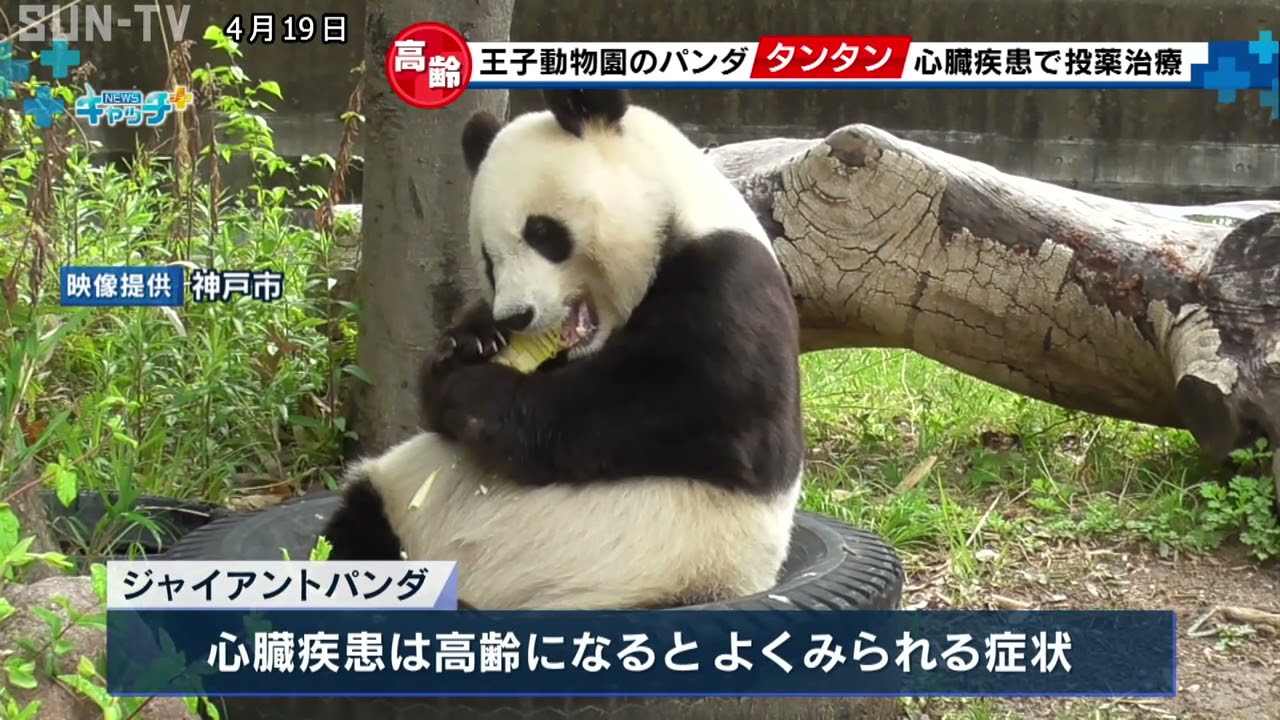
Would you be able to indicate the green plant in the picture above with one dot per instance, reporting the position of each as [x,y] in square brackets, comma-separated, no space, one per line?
[233,396]
[1246,506]
[319,552]
[34,661]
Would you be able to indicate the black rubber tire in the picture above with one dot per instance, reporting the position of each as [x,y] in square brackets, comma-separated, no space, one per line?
[80,524]
[832,566]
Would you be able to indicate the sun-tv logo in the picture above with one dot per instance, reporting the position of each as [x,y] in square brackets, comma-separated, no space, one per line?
[131,108]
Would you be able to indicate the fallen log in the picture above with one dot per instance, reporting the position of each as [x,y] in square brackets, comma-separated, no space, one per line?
[1086,302]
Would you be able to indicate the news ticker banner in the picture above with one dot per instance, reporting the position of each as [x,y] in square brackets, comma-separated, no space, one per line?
[430,65]
[336,629]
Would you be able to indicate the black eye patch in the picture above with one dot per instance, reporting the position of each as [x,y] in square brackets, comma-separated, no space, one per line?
[488,267]
[549,237]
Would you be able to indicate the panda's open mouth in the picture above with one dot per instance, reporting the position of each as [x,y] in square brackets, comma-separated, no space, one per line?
[580,327]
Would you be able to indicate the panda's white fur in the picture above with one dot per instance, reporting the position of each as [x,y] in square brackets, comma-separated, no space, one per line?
[638,200]
[560,547]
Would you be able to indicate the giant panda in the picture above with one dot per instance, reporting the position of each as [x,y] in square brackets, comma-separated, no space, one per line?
[656,462]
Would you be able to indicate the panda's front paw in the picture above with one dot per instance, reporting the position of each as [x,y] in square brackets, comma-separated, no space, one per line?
[474,338]
[444,385]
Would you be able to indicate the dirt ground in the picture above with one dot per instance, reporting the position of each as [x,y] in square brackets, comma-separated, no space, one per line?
[1228,657]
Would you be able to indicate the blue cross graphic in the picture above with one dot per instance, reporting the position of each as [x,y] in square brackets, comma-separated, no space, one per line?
[1226,79]
[43,107]
[11,71]
[1265,47]
[1271,98]
[60,58]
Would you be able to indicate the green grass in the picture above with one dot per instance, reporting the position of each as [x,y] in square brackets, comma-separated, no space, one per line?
[1044,473]
[976,709]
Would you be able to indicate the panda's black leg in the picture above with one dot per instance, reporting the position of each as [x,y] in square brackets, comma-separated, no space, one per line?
[359,530]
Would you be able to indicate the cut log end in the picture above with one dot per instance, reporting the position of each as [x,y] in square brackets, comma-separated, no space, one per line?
[1240,291]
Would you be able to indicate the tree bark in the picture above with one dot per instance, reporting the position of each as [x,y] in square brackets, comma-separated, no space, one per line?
[414,269]
[1086,302]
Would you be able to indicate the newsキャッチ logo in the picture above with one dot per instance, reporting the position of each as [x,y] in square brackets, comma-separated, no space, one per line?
[132,108]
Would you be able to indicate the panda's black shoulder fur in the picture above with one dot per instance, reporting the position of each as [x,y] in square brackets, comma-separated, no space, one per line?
[701,382]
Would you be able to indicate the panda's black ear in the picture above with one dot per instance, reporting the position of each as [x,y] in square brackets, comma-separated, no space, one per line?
[573,109]
[477,136]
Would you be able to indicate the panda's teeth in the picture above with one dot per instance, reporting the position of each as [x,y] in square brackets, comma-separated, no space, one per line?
[586,323]
[579,326]
[567,332]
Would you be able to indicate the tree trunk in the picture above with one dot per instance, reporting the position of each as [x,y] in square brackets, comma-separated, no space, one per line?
[413,270]
[1086,302]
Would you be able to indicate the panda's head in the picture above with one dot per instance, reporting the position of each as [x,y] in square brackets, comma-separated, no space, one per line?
[572,207]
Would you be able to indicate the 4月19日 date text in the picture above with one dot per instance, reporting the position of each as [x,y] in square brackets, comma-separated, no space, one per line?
[268,28]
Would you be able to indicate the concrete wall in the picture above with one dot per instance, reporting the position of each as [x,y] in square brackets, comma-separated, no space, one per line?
[1169,146]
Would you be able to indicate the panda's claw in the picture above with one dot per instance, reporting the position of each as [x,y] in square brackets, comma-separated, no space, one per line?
[473,338]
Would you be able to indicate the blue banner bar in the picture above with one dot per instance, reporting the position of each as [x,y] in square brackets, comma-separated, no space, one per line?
[122,286]
[688,653]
